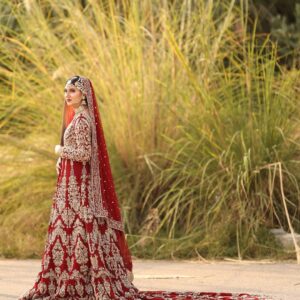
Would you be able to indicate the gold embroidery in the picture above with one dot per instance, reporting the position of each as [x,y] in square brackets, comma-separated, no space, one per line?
[73,191]
[68,216]
[79,288]
[81,253]
[77,139]
[57,253]
[61,192]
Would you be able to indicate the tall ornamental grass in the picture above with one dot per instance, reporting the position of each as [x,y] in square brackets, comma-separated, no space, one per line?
[200,120]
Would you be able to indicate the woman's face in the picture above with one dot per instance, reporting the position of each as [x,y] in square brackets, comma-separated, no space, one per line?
[72,95]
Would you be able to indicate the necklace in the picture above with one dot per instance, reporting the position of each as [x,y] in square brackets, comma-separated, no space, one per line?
[79,109]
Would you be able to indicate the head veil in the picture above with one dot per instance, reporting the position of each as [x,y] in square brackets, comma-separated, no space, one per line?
[103,200]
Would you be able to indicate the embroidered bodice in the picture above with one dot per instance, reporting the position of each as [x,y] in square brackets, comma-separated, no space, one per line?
[77,138]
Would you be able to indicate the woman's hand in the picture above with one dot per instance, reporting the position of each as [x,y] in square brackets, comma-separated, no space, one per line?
[58,166]
[57,149]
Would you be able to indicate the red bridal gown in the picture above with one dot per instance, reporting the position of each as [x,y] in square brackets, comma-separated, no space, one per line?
[83,257]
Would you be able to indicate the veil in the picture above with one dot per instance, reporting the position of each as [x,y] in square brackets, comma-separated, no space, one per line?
[103,200]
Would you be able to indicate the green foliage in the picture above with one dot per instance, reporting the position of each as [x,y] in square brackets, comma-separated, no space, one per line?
[288,36]
[200,120]
[25,203]
[280,19]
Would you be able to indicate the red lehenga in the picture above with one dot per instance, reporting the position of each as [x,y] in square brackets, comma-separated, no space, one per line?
[86,256]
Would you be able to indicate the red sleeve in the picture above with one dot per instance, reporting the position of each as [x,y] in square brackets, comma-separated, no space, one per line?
[82,150]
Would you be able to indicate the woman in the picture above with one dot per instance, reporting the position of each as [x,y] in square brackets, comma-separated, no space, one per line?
[86,254]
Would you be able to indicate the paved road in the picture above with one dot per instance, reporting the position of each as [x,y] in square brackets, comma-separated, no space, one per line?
[279,280]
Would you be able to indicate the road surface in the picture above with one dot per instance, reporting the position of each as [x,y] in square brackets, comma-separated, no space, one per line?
[279,280]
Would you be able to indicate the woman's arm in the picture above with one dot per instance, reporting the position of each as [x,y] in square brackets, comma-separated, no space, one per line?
[83,149]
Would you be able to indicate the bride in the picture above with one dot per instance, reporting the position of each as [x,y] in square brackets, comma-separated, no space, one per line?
[86,255]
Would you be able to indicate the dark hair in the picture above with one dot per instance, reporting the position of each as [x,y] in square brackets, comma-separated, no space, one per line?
[73,79]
